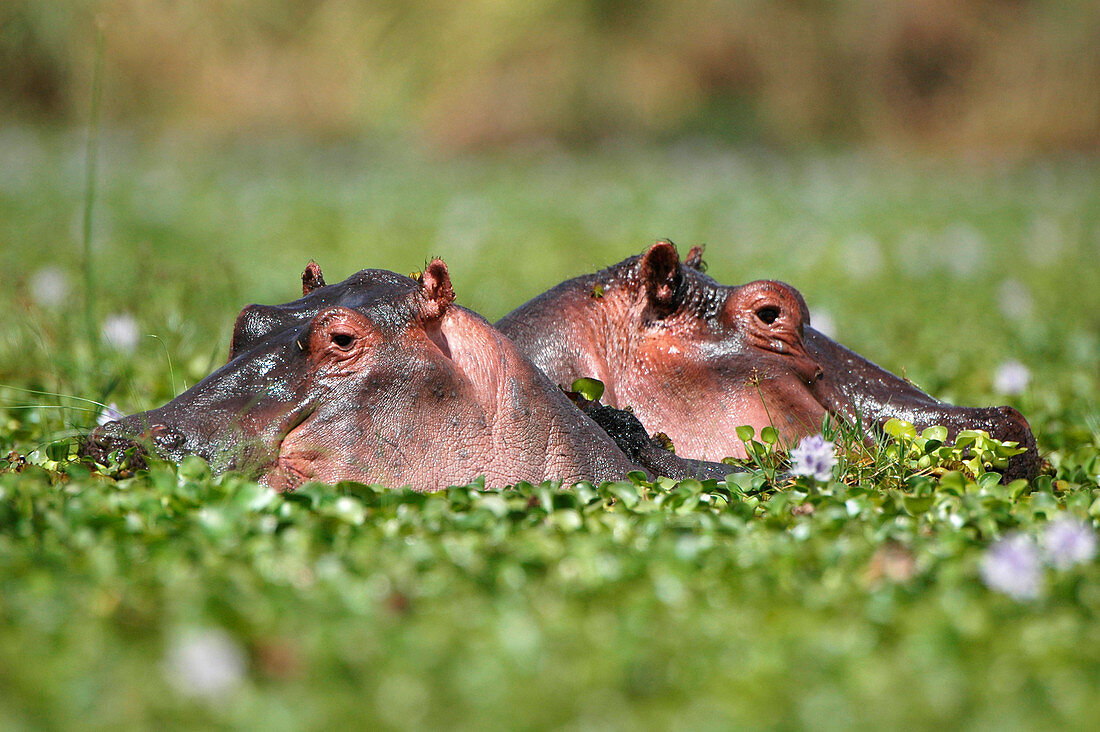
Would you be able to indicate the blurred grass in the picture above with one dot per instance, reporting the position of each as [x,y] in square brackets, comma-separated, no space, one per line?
[993,77]
[538,608]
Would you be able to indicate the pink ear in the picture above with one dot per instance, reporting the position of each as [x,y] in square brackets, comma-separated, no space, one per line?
[659,270]
[312,279]
[435,288]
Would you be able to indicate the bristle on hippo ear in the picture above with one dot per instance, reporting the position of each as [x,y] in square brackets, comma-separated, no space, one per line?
[312,279]
[435,287]
[695,259]
[659,270]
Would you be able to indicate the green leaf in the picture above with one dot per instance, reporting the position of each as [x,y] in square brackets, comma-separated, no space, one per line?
[769,435]
[935,432]
[590,389]
[899,428]
[745,432]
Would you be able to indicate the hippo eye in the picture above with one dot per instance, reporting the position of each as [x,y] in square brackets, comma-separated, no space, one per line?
[343,341]
[768,314]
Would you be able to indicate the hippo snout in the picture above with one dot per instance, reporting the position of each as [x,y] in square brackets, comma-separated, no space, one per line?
[125,435]
[1009,424]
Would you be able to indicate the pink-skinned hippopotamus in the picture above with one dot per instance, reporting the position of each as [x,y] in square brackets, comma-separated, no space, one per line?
[694,359]
[383,379]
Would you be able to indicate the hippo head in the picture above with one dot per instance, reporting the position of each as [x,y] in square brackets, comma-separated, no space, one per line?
[302,377]
[694,359]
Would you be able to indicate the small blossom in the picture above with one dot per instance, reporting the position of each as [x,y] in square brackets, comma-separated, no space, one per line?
[205,662]
[120,331]
[49,287]
[813,458]
[823,322]
[1012,378]
[1067,541]
[110,413]
[1012,566]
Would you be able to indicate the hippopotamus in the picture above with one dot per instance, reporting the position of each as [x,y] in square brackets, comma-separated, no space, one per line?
[382,378]
[694,359]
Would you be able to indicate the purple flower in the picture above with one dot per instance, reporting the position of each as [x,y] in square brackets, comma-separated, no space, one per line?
[1067,541]
[1012,378]
[110,413]
[1012,566]
[813,458]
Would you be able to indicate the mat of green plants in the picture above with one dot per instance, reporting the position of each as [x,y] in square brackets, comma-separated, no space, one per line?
[909,590]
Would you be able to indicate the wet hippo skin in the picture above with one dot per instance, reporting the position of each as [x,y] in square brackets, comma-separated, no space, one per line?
[694,358]
[382,378]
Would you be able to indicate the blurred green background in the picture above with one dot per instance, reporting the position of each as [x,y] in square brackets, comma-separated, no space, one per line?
[980,76]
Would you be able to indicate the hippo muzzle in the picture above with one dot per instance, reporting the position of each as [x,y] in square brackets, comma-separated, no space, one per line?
[134,435]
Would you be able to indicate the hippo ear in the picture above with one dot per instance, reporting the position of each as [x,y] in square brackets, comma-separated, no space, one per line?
[695,259]
[312,279]
[659,270]
[435,289]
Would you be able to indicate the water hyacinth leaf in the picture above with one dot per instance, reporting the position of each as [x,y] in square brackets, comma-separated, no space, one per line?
[59,451]
[769,435]
[1008,449]
[919,485]
[745,432]
[988,481]
[254,497]
[899,428]
[953,482]
[590,389]
[691,485]
[349,510]
[917,505]
[966,438]
[936,432]
[193,467]
[567,519]
[586,492]
[626,493]
[932,446]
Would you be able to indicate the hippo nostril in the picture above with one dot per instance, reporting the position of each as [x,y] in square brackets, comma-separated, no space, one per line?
[165,437]
[768,315]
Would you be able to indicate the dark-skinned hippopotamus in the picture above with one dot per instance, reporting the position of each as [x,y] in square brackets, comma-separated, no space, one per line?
[694,358]
[383,379]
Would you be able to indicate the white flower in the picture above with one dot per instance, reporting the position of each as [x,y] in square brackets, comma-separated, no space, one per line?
[1012,566]
[120,331]
[1067,541]
[49,287]
[823,322]
[204,662]
[110,413]
[813,458]
[1012,378]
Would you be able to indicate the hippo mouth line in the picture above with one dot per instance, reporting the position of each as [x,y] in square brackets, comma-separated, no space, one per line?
[288,458]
